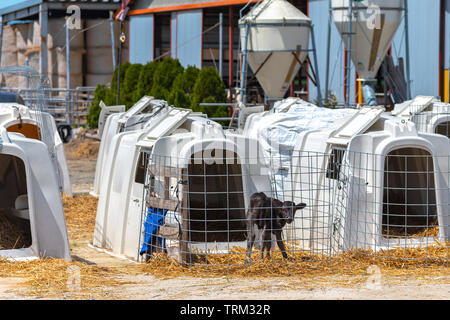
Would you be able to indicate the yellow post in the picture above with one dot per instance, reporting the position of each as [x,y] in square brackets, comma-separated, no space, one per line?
[360,94]
[446,86]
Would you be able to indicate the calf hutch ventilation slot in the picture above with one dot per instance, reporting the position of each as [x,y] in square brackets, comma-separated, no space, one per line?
[409,193]
[15,230]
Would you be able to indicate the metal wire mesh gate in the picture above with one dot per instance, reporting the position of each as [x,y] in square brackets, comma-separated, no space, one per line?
[393,206]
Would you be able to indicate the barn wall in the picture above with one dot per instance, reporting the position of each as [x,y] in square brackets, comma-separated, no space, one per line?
[186,37]
[424,46]
[318,12]
[141,38]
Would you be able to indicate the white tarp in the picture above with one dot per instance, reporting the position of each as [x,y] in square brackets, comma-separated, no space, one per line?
[277,131]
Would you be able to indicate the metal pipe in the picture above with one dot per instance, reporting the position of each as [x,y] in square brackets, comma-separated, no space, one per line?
[349,49]
[327,75]
[43,22]
[68,72]
[244,67]
[113,39]
[67,54]
[230,46]
[118,66]
[221,44]
[1,37]
[319,93]
[408,71]
[385,91]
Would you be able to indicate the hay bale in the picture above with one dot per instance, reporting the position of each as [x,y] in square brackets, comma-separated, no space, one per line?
[22,32]
[76,80]
[99,60]
[57,62]
[34,34]
[9,39]
[92,80]
[57,35]
[98,33]
[9,59]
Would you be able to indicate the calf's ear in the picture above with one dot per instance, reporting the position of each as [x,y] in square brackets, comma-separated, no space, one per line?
[300,206]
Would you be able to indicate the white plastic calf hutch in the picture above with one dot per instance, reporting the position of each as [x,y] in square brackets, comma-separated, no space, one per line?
[160,167]
[40,126]
[428,113]
[387,185]
[31,211]
[134,119]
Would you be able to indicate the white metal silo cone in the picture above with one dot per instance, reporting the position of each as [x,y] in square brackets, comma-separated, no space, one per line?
[374,24]
[275,39]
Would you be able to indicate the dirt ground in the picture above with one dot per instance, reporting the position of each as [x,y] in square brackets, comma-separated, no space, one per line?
[103,276]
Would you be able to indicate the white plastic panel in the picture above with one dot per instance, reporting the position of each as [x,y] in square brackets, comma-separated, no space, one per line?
[415,106]
[136,109]
[359,123]
[167,124]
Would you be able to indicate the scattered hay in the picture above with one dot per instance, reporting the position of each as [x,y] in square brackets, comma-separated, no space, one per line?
[86,149]
[53,277]
[80,212]
[81,149]
[345,269]
[14,233]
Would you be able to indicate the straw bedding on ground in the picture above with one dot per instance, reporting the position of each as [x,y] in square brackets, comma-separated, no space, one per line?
[14,234]
[80,148]
[49,277]
[80,212]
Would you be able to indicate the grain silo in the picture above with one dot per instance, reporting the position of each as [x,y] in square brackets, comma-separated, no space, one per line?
[372,27]
[274,42]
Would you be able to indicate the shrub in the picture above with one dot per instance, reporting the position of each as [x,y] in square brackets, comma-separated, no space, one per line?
[130,83]
[145,80]
[181,91]
[166,80]
[166,72]
[178,98]
[100,94]
[159,92]
[209,88]
[113,89]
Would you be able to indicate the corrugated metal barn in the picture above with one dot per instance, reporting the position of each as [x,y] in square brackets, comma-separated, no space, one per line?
[192,32]
[188,30]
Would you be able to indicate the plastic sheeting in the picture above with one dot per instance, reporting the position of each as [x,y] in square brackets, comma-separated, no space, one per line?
[277,131]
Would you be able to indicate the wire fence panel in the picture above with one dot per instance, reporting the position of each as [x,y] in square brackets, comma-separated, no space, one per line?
[206,212]
[67,106]
[317,207]
[394,206]
[433,119]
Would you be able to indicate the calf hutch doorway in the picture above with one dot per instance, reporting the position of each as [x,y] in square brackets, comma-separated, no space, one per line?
[443,128]
[196,208]
[409,194]
[216,199]
[15,230]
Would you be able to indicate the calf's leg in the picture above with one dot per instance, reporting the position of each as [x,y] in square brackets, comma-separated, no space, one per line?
[250,239]
[280,244]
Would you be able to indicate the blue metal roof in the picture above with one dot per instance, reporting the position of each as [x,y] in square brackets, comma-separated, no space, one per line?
[7,6]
